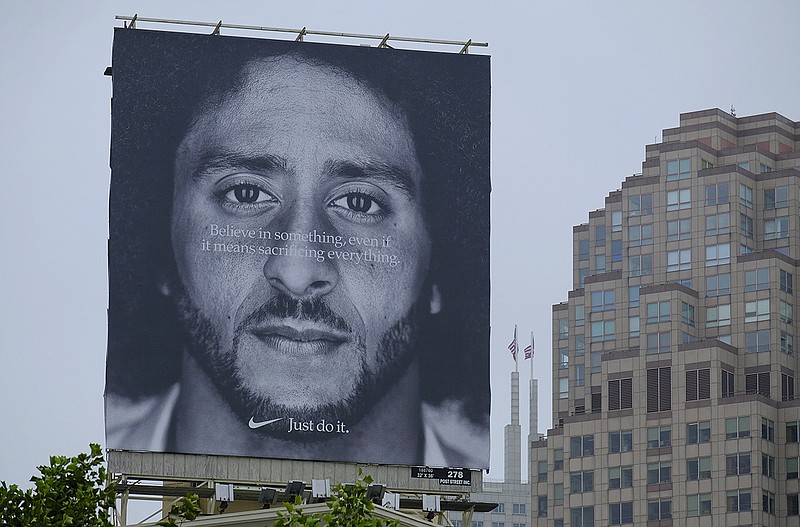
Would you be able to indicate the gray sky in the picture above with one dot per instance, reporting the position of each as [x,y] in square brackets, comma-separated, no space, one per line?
[579,88]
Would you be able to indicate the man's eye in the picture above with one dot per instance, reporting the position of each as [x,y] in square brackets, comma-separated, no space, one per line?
[358,202]
[246,193]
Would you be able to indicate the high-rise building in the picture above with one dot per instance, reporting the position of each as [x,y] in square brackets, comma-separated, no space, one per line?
[674,366]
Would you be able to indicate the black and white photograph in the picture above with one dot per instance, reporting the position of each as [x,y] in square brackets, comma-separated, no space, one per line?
[298,251]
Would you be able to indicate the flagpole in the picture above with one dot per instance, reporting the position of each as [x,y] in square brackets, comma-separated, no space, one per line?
[516,346]
[532,354]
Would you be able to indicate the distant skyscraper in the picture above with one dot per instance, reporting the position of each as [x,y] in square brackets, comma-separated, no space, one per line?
[674,365]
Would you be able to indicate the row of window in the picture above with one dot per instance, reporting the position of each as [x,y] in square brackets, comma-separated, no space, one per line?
[661,436]
[661,509]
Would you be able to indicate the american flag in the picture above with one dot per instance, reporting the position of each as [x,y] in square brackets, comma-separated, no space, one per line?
[528,352]
[513,347]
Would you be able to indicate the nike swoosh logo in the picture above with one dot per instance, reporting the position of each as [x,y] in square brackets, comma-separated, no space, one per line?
[253,424]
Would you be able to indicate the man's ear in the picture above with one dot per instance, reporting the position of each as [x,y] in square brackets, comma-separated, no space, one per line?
[436,300]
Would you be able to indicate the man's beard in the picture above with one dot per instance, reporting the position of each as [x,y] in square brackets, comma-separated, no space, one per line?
[396,351]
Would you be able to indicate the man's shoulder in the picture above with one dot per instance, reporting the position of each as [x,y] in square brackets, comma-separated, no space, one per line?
[142,423]
[451,439]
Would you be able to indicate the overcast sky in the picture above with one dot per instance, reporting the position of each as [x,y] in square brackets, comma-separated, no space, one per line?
[579,89]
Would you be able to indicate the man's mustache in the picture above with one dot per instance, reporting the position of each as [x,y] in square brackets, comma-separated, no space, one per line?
[283,306]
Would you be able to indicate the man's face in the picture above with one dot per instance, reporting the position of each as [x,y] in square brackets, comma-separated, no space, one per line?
[300,158]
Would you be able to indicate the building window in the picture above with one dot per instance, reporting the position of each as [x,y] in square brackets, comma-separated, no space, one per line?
[616,221]
[558,522]
[718,284]
[745,195]
[640,265]
[640,235]
[581,482]
[501,508]
[757,279]
[658,342]
[719,254]
[757,383]
[640,205]
[786,282]
[620,513]
[768,429]
[787,312]
[660,472]
[633,296]
[776,228]
[563,388]
[620,441]
[745,225]
[717,316]
[616,250]
[698,504]
[659,389]
[698,384]
[563,328]
[680,260]
[679,229]
[768,502]
[737,464]
[679,169]
[744,249]
[581,516]
[583,249]
[542,470]
[518,508]
[660,509]
[756,311]
[580,345]
[582,274]
[679,199]
[792,467]
[581,446]
[558,494]
[793,504]
[558,459]
[542,506]
[698,468]
[599,235]
[687,314]
[717,194]
[580,375]
[775,198]
[757,341]
[737,427]
[602,300]
[728,383]
[738,500]
[620,477]
[763,168]
[633,327]
[698,432]
[603,330]
[718,224]
[787,343]
[787,387]
[600,263]
[564,354]
[620,394]
[580,315]
[768,466]
[658,312]
[793,432]
[659,436]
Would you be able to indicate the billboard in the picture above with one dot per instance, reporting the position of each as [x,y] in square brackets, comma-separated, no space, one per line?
[299,251]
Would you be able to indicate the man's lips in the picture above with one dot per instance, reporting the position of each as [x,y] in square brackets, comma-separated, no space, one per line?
[299,339]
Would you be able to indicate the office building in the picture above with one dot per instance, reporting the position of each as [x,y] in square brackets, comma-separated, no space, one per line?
[674,364]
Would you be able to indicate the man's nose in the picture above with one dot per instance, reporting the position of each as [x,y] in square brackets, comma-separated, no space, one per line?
[299,273]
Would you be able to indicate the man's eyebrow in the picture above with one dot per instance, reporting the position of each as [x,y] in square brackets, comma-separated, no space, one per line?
[210,161]
[395,175]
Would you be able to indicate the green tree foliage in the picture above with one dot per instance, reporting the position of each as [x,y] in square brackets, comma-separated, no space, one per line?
[349,507]
[187,509]
[71,491]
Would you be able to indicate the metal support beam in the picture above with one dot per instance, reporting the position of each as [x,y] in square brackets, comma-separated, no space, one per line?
[383,39]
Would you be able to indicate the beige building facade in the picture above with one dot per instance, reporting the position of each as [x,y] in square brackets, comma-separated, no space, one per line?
[674,361]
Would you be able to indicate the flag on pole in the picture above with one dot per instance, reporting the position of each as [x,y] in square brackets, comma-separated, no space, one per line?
[529,350]
[513,346]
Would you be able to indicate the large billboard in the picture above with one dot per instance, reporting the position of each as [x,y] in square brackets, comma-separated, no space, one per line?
[299,251]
